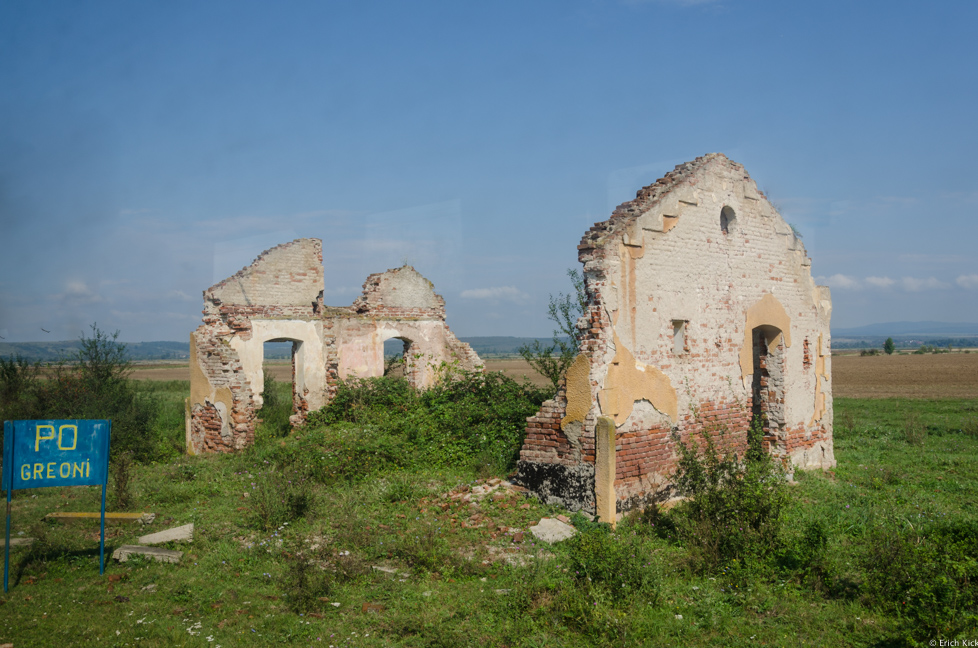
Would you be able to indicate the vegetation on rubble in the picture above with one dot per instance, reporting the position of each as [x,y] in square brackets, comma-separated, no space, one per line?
[469,419]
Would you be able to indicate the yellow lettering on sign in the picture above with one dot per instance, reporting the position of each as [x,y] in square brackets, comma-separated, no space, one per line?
[38,438]
[88,467]
[25,472]
[64,470]
[77,470]
[74,444]
[51,470]
[39,470]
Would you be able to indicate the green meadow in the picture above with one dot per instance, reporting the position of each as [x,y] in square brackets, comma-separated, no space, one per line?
[382,523]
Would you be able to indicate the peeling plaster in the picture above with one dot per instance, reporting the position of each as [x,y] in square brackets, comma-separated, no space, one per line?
[578,391]
[628,381]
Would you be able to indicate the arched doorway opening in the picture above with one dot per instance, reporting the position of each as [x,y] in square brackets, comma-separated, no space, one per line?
[767,388]
[280,392]
[398,360]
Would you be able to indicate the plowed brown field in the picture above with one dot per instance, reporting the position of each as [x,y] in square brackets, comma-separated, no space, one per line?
[947,375]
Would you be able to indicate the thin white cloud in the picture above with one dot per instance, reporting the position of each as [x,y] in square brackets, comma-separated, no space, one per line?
[913,284]
[968,282]
[182,296]
[78,291]
[841,281]
[908,284]
[880,282]
[504,293]
[150,315]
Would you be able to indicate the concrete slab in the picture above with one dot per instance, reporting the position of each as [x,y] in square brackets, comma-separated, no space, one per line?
[183,533]
[123,553]
[550,530]
[17,542]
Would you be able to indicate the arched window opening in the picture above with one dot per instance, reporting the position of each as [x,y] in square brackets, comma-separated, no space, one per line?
[395,350]
[727,220]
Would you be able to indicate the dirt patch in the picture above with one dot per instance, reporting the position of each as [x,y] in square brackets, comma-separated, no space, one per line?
[945,375]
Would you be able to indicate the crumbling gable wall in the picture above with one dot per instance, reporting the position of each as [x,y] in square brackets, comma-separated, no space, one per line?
[702,315]
[401,304]
[278,298]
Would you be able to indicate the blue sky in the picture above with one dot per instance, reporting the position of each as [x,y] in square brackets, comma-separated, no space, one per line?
[150,149]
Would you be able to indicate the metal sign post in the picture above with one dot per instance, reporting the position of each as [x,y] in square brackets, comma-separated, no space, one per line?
[42,454]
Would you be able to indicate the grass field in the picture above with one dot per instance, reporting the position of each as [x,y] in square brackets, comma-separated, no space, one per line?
[284,555]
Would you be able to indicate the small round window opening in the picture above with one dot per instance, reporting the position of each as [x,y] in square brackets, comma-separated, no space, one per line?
[727,219]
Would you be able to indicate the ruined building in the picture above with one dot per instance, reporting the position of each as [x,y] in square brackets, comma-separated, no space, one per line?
[703,316]
[279,298]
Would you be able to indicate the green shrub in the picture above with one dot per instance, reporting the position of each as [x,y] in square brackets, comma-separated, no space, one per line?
[584,524]
[304,583]
[469,418]
[347,453]
[273,417]
[19,383]
[914,431]
[619,564]
[970,427]
[928,578]
[734,508]
[426,551]
[93,384]
[280,497]
[122,478]
[361,400]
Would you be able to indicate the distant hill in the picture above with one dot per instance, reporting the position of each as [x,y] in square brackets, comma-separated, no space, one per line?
[484,346]
[147,351]
[57,351]
[909,329]
[905,334]
[490,346]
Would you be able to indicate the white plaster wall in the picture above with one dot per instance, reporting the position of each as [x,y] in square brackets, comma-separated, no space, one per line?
[310,368]
[696,273]
[361,346]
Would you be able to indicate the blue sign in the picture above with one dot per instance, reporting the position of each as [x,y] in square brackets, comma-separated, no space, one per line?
[37,454]
[55,453]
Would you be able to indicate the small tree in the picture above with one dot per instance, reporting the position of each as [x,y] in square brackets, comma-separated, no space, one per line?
[888,346]
[95,383]
[553,359]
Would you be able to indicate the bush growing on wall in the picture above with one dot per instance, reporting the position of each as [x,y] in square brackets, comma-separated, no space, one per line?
[467,419]
[734,510]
